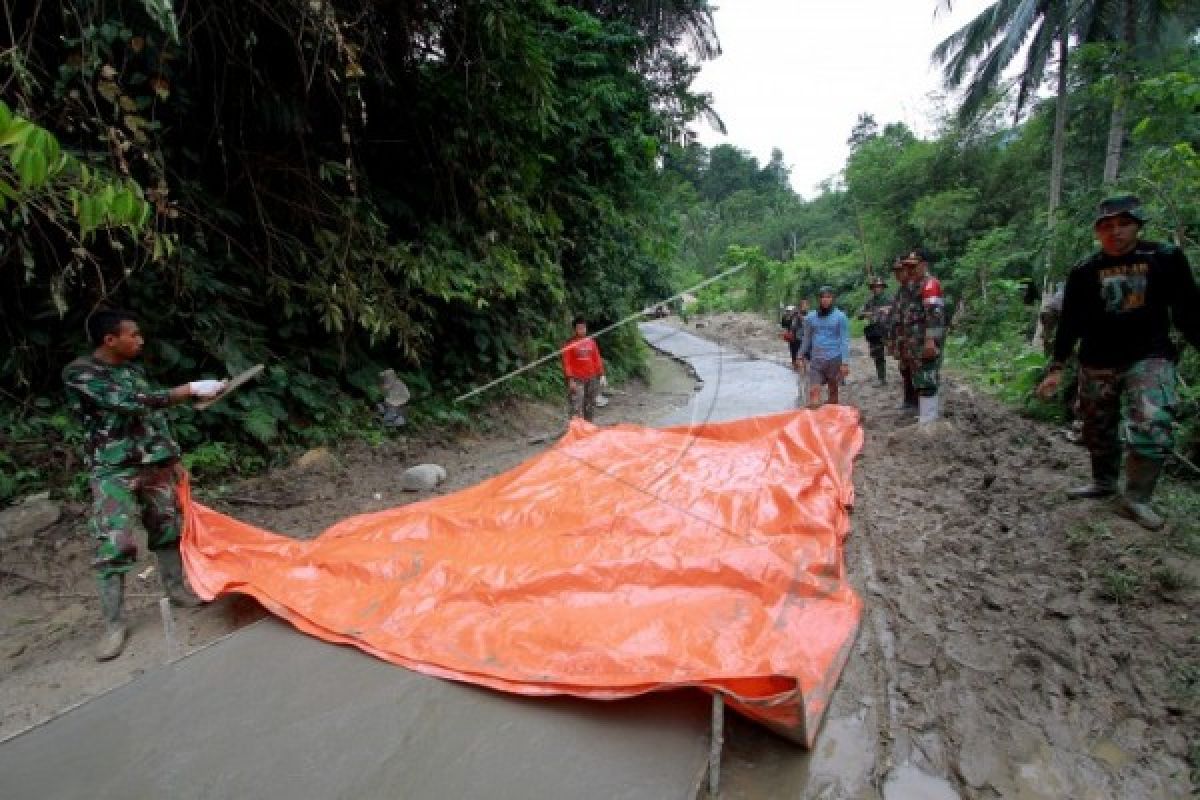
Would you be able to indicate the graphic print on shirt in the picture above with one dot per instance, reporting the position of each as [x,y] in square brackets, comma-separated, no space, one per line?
[1123,288]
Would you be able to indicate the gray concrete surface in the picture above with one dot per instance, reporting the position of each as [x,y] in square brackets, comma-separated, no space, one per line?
[734,384]
[270,713]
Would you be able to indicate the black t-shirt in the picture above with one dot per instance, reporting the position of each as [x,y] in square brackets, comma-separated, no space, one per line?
[1121,308]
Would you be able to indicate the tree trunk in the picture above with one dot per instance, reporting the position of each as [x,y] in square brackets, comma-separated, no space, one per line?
[1116,123]
[862,238]
[1060,127]
[1056,169]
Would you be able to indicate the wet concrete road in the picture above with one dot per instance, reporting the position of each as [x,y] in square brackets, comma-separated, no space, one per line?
[271,713]
[734,384]
[851,759]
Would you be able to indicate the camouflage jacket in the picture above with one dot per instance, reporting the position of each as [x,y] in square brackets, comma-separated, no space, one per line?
[876,311]
[918,311]
[122,416]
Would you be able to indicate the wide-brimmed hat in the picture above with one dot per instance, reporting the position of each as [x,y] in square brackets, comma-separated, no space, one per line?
[916,256]
[1127,205]
[825,290]
[876,281]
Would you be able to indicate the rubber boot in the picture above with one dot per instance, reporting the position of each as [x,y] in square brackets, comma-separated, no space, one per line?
[1104,480]
[174,585]
[1141,474]
[112,592]
[910,392]
[928,408]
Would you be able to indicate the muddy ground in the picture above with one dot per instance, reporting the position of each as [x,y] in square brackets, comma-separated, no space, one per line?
[1013,645]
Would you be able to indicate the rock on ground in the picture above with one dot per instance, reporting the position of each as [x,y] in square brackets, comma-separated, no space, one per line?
[422,477]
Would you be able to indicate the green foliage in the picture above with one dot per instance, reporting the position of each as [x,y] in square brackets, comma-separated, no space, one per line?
[1182,503]
[1119,585]
[208,460]
[1007,368]
[330,188]
[1086,533]
[943,219]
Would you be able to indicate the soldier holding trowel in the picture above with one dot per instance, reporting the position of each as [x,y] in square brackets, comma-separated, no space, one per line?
[1119,305]
[133,461]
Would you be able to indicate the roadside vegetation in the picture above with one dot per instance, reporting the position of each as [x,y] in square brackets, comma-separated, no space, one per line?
[330,188]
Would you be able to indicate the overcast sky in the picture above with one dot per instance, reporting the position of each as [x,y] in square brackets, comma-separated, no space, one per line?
[795,74]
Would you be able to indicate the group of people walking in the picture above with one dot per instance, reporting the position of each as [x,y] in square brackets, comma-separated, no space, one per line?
[911,327]
[1117,306]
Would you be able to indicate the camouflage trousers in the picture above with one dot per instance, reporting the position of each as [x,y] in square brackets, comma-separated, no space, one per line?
[120,493]
[926,374]
[1134,407]
[877,348]
[581,397]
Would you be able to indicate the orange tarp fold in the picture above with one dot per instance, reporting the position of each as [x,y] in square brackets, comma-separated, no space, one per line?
[620,561]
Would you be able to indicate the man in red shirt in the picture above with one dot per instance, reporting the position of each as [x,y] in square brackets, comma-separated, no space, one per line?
[584,370]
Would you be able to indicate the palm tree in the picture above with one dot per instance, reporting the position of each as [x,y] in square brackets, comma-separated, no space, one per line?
[978,54]
[988,44]
[1120,21]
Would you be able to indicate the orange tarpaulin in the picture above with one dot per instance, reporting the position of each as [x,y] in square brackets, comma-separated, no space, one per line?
[622,560]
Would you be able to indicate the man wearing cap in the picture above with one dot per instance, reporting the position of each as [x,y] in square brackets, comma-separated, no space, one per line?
[920,331]
[133,464]
[825,348]
[1119,305]
[875,312]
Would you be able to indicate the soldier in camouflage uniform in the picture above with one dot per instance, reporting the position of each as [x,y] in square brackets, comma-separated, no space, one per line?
[903,294]
[875,312]
[1119,305]
[919,314]
[134,464]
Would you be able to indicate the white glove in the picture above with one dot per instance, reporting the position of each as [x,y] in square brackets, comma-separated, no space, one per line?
[603,381]
[206,388]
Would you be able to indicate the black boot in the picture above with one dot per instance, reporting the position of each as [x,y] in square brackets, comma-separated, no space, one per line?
[1141,475]
[170,566]
[881,371]
[112,593]
[1104,479]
